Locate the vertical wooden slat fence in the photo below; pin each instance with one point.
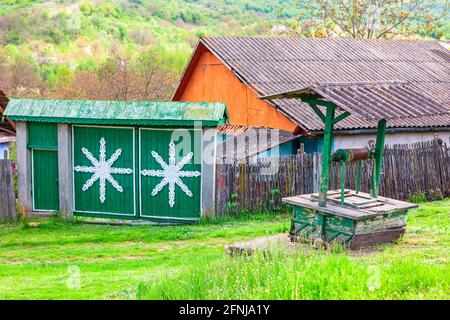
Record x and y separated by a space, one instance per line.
407 169
7 196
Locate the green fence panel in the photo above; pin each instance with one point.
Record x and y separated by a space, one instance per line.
45 180
104 171
170 175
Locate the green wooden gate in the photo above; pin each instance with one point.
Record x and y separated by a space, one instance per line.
43 143
45 180
104 171
150 176
170 175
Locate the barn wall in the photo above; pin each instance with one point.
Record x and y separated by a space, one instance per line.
359 140
211 81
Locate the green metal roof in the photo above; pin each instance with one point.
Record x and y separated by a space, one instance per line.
155 113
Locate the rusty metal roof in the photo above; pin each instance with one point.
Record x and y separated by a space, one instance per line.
270 65
7 127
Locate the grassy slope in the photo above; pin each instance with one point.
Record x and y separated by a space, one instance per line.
173 262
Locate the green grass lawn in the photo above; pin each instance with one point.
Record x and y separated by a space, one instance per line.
121 262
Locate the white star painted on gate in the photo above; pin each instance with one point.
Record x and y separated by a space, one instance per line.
102 170
171 173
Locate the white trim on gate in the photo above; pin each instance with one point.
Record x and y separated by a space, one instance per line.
140 176
134 172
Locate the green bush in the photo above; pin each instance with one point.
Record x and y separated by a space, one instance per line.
233 206
275 203
429 195
418 197
434 195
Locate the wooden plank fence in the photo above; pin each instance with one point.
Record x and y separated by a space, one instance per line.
407 169
7 196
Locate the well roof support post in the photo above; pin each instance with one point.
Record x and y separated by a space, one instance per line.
378 157
329 121
358 176
326 155
342 182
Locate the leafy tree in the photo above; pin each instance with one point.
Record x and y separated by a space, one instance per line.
87 8
56 36
374 18
19 75
122 32
64 77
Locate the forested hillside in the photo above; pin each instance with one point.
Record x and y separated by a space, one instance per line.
131 49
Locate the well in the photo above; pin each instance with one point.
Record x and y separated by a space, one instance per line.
350 217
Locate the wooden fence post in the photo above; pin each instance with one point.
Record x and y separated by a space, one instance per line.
247 150
317 168
7 196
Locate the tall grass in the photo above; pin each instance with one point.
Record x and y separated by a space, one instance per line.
303 275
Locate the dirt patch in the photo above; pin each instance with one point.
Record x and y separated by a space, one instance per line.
282 241
278 242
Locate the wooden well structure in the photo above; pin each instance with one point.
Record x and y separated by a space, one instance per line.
351 217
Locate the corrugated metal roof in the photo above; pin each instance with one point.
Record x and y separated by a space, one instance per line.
373 101
117 112
273 64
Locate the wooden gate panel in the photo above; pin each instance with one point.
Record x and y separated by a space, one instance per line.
45 180
157 147
104 171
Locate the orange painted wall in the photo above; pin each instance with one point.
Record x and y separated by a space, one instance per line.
211 81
